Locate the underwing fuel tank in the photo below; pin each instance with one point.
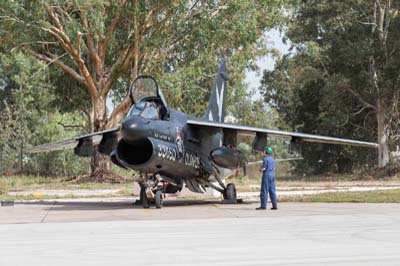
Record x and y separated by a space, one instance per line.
228 157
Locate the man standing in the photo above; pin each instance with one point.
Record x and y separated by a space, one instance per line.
268 180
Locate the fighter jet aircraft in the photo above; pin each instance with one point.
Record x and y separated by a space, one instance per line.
169 149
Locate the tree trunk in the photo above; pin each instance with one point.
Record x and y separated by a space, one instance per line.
383 135
99 163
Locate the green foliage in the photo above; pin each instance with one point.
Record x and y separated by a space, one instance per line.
24 78
229 29
338 77
2 188
254 112
309 102
178 42
27 118
182 47
55 127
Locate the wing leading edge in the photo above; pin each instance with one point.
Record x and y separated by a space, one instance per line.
78 142
298 137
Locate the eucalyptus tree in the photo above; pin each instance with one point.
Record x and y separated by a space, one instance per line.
20 105
355 49
103 44
308 101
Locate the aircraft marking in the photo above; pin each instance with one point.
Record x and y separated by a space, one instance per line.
220 102
210 116
220 95
192 160
167 152
162 136
171 154
179 143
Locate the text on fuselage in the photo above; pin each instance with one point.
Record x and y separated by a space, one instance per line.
171 154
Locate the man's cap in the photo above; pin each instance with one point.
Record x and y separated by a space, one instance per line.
268 149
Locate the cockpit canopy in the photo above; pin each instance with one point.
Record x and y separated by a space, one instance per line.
147 99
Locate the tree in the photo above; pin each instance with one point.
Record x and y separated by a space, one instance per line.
20 79
308 101
98 42
29 118
357 44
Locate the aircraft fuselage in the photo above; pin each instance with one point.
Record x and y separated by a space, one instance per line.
167 147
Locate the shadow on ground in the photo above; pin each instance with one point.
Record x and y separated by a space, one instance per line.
101 205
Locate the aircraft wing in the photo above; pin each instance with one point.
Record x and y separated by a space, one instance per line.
83 144
277 160
291 136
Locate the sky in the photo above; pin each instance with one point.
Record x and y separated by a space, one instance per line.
274 40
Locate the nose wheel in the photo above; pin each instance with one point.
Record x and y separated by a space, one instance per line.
146 201
158 199
143 198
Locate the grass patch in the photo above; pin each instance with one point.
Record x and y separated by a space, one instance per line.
248 184
55 197
24 182
319 178
376 196
2 188
245 184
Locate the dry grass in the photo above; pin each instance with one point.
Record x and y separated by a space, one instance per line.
376 196
2 188
246 184
23 182
243 184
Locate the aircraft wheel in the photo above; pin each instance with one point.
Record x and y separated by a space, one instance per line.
144 199
158 198
230 192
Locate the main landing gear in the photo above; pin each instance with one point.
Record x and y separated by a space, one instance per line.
230 193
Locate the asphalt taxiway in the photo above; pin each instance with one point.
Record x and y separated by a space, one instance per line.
115 232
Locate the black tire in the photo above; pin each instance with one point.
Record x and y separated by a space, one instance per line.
230 192
158 199
144 199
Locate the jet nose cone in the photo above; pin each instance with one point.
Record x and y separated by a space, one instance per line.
133 129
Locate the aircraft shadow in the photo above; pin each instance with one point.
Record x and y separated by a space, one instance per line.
82 205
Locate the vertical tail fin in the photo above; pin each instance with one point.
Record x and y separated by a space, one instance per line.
216 105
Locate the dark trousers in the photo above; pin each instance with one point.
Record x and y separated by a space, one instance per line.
268 186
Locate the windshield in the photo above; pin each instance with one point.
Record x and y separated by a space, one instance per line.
146 110
137 108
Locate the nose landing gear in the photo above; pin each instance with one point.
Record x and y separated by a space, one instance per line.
146 201
151 192
143 198
158 199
